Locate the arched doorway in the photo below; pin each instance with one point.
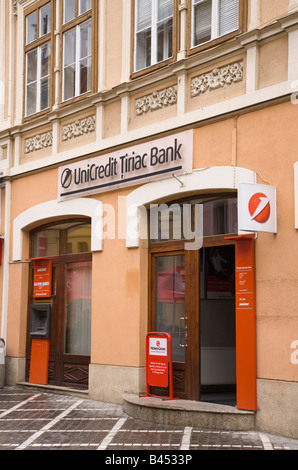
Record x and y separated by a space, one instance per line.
68 244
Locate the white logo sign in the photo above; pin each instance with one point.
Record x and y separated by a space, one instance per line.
158 347
135 165
257 208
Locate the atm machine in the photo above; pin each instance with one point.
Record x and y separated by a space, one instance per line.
40 330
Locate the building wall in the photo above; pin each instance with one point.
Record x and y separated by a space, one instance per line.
246 122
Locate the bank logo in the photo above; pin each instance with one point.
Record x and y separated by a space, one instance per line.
259 208
66 178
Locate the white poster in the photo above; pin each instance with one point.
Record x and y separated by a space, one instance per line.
257 208
158 347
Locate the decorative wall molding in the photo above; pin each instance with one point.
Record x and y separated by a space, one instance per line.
78 128
15 7
39 142
156 100
217 78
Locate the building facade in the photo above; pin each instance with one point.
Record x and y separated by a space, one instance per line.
128 130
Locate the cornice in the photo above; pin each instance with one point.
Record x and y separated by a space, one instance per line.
280 26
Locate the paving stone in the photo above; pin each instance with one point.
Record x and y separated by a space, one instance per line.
34 420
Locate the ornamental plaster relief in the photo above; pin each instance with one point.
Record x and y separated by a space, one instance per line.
78 128
39 142
217 78
156 100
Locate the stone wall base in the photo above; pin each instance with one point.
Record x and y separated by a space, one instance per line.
277 407
108 383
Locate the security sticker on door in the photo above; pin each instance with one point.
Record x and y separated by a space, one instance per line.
158 347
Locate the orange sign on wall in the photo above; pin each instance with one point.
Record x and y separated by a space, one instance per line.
42 279
246 369
246 324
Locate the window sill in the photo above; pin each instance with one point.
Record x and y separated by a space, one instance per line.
152 68
215 42
36 115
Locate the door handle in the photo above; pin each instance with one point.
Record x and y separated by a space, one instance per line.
185 332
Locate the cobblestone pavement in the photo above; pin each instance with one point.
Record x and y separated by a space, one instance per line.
33 420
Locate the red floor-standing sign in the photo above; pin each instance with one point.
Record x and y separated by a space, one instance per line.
159 368
245 322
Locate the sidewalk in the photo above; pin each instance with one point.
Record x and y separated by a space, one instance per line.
33 420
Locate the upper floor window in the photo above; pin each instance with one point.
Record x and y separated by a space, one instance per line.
76 52
212 19
38 59
153 32
77 48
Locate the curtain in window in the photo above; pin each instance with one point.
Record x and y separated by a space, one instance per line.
203 21
165 9
38 72
77 73
154 32
143 33
144 11
164 30
228 16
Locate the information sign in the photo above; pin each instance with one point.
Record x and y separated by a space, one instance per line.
159 365
42 279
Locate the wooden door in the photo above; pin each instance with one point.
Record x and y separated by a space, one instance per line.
175 310
71 310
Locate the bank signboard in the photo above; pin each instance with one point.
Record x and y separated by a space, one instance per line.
257 208
135 165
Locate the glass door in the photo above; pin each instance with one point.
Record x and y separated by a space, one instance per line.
170 316
175 311
78 308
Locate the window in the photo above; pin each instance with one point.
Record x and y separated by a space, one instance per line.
38 59
153 32
180 220
77 48
212 19
78 308
65 238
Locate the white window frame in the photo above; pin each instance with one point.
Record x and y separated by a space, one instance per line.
154 28
214 21
38 81
77 61
42 40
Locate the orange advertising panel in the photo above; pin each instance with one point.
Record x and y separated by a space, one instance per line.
40 351
245 324
42 282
